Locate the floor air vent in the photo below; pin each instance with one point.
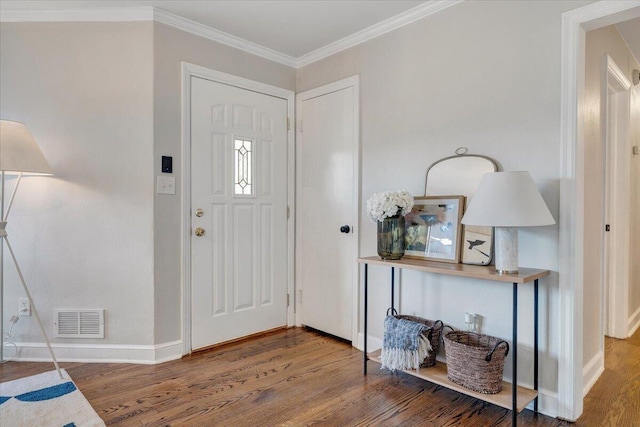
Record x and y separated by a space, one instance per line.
79 323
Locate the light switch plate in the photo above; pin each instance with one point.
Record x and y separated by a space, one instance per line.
166 185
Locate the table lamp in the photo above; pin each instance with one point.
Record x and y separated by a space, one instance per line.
19 154
506 201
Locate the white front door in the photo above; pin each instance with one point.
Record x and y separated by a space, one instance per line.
327 199
238 212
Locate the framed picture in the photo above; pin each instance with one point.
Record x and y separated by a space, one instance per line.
433 229
477 245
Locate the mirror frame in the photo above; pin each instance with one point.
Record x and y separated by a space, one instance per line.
457 156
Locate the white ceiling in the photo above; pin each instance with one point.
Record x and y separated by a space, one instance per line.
296 31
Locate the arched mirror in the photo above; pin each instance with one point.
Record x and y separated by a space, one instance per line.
461 175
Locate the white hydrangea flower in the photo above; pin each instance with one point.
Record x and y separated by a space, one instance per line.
388 204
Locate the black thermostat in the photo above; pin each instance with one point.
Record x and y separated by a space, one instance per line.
167 164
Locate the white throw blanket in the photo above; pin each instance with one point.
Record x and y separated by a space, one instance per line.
405 345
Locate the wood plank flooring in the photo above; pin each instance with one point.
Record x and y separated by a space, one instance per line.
615 398
297 377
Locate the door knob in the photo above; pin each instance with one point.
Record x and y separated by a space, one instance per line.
345 229
199 231
199 212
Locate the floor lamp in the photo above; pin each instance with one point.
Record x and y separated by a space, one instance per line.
19 154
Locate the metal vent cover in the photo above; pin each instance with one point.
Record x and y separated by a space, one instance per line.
79 323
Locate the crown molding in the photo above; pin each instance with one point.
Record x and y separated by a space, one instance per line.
393 23
148 13
119 14
201 30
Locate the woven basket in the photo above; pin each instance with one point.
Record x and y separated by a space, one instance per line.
434 334
475 361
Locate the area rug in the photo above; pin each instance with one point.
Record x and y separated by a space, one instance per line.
45 400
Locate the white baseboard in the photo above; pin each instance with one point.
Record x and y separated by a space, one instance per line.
373 343
592 371
547 400
168 351
547 403
634 322
100 353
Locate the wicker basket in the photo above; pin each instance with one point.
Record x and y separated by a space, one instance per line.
435 332
475 361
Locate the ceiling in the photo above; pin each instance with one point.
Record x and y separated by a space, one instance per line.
630 31
295 31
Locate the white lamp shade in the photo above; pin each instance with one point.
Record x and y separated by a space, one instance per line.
507 199
19 152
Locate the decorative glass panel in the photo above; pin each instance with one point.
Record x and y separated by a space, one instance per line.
243 158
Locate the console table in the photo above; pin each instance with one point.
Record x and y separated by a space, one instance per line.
519 397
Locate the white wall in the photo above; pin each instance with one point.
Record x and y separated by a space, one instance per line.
84 237
484 75
599 42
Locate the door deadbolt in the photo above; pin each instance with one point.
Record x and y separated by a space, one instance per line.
199 212
199 232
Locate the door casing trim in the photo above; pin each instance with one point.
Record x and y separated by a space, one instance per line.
575 23
191 70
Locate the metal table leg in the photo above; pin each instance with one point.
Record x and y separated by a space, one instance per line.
366 310
535 342
514 355
392 287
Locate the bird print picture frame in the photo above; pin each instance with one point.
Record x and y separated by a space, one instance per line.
477 245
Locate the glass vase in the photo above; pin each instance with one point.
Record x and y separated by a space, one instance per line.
391 237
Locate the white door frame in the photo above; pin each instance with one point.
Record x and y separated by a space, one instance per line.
350 82
615 104
191 70
571 251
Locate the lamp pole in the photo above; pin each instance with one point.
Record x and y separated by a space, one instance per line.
2 235
19 153
4 238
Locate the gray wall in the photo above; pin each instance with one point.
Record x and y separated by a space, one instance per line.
104 103
84 237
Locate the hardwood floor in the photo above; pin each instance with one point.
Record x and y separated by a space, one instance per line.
615 398
296 377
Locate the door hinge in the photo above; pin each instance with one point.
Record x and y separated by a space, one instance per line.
300 126
288 212
288 301
607 227
288 123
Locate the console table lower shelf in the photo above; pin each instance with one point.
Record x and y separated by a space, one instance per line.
438 375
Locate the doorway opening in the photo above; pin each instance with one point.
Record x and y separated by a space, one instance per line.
615 130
